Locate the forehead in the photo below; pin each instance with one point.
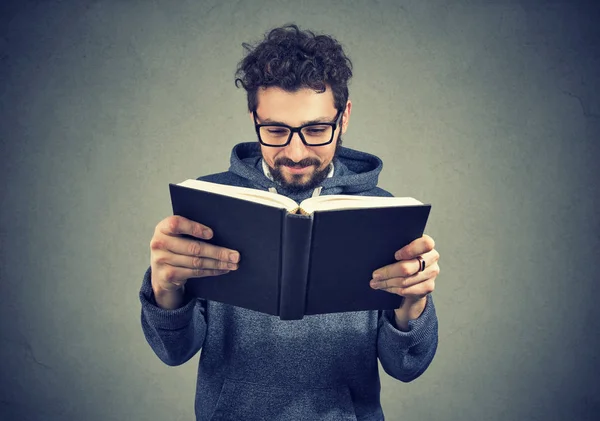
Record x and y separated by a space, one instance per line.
293 107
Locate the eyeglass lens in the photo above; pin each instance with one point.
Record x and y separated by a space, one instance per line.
313 135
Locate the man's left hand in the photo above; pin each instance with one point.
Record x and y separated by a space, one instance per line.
412 277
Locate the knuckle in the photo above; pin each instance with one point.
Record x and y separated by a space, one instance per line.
201 273
406 270
195 249
169 275
156 244
223 255
197 230
173 222
197 262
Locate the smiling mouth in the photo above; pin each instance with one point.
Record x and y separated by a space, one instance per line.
298 169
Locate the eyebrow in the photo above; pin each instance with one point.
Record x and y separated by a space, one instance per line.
325 119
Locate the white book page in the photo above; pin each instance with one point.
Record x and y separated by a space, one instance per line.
340 201
252 195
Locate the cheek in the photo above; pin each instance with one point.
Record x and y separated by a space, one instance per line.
326 158
269 158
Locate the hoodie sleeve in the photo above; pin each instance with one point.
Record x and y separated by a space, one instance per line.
406 355
177 335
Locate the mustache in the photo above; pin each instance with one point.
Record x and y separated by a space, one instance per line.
303 163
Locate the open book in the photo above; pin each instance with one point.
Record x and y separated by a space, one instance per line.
313 258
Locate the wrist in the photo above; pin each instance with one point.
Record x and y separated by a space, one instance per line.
168 299
411 309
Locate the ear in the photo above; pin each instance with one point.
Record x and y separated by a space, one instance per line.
346 116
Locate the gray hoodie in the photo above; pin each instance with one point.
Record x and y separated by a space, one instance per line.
254 366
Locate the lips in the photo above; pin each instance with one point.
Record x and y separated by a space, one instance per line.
296 168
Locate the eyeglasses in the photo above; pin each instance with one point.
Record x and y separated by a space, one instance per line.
313 134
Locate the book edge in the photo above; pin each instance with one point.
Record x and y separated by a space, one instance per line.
243 193
347 202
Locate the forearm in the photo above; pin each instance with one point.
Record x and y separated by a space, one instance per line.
175 334
405 354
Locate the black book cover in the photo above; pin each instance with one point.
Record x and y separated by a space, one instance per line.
348 246
295 265
254 230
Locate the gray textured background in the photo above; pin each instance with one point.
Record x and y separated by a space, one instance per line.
490 111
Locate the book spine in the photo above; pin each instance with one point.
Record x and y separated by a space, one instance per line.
295 257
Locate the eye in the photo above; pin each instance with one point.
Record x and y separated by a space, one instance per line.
316 130
277 131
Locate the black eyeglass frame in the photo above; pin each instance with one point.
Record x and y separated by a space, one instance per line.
334 126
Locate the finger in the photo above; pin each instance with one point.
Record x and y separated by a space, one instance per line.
406 282
406 268
416 248
193 262
395 286
386 284
415 266
179 276
418 290
178 225
187 247
428 274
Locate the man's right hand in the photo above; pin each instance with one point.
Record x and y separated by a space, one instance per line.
174 258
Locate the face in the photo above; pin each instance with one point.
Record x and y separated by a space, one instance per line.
298 167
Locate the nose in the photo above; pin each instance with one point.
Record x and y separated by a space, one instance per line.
296 150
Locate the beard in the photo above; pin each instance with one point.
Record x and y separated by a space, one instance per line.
296 185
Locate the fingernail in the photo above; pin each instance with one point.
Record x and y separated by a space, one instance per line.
207 233
377 276
231 266
234 257
373 285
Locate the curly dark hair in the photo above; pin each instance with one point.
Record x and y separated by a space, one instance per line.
291 59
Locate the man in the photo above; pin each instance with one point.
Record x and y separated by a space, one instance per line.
255 366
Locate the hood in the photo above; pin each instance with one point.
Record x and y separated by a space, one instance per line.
355 172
